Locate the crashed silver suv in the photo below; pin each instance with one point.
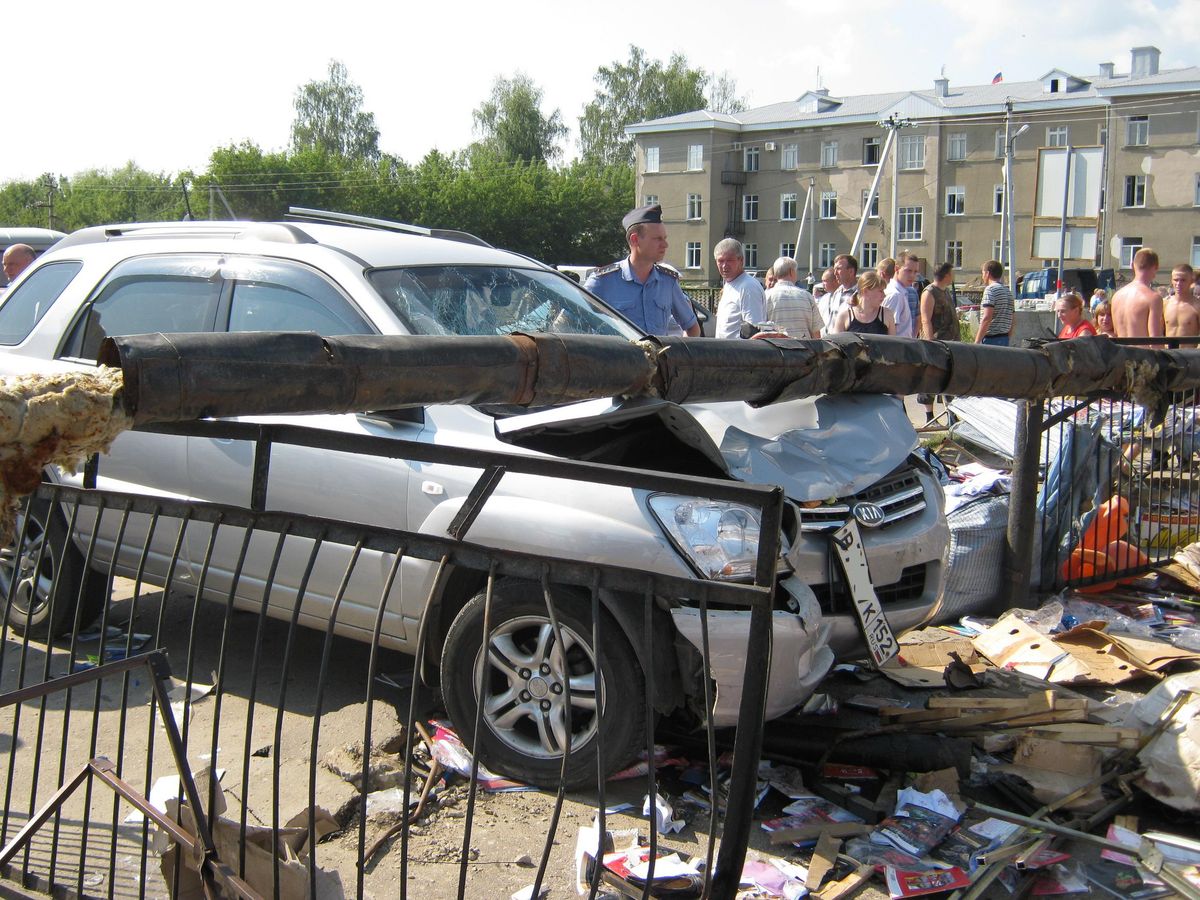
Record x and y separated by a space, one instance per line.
830 454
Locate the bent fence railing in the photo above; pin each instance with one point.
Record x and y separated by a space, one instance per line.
180 739
1104 484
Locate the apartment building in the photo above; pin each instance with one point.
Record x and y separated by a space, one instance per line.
792 178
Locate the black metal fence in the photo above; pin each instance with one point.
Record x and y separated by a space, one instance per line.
1116 492
165 739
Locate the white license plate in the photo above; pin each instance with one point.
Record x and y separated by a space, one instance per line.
847 542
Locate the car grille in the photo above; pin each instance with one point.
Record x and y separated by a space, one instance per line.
900 495
834 596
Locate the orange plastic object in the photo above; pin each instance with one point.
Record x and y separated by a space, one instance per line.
1111 523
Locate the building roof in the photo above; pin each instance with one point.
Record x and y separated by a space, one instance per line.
815 108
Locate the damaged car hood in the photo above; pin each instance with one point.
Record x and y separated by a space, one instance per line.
817 448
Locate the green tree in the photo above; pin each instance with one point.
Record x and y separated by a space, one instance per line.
634 91
512 125
330 118
128 194
723 96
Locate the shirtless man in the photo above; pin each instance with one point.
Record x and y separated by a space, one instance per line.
1179 312
1137 308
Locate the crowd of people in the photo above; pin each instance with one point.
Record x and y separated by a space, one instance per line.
883 301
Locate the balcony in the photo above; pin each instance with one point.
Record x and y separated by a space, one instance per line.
735 228
733 176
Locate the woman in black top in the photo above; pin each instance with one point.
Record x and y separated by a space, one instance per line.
866 313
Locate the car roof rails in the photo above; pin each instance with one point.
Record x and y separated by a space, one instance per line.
281 232
338 218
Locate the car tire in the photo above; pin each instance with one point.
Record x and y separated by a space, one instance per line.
524 715
32 610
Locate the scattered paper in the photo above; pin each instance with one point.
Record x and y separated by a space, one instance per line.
664 816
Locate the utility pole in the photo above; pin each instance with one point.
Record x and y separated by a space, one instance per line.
48 203
812 226
893 123
873 193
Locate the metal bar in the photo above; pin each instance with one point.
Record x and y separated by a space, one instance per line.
51 807
472 506
318 706
747 748
1018 554
262 469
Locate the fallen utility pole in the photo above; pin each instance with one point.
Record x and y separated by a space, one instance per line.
190 376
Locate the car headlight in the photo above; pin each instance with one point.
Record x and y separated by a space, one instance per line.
720 538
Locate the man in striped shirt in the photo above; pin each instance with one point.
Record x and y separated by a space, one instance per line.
996 310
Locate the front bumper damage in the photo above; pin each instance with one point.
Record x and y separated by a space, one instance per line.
800 652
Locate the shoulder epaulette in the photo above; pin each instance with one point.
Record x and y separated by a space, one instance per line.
667 270
607 270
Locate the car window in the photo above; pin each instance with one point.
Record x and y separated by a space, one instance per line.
493 300
147 295
270 295
25 304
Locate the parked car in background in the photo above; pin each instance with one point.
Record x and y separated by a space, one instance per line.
343 275
40 239
1039 283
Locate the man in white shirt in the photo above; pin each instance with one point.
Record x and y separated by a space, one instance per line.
790 307
742 297
895 297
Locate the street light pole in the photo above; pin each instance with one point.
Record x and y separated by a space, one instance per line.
1006 226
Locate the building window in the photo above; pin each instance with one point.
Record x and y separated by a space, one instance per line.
651 199
787 207
751 159
1135 190
956 200
869 257
828 204
996 251
651 159
1129 246
999 143
912 151
695 206
791 156
750 208
1195 263
1057 136
750 252
695 157
826 254
998 200
910 223
871 151
1196 199
691 258
956 146
1102 136
787 249
1137 131
874 214
829 153
954 253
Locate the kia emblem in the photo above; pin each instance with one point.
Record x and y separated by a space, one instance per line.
868 515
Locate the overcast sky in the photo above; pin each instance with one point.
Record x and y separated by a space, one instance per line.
95 85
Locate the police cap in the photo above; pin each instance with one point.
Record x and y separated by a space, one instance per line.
643 215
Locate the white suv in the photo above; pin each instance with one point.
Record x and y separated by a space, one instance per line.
333 278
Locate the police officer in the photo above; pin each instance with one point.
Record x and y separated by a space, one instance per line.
639 287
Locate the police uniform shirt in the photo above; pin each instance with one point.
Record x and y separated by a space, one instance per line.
649 306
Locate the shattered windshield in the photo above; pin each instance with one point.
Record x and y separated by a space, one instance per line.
494 300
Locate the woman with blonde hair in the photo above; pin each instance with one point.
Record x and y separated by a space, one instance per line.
1069 309
1104 320
866 313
